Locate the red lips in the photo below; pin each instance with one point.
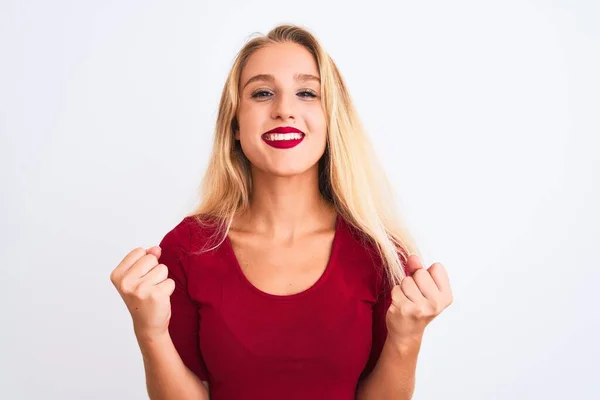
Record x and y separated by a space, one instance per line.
283 144
284 129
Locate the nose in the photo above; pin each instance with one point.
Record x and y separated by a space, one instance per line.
283 107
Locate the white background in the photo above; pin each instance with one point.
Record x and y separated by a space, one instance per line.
485 114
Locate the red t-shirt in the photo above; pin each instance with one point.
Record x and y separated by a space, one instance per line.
248 344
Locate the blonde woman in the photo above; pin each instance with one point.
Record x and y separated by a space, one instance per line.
294 279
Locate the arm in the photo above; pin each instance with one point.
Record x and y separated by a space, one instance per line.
173 361
420 297
167 377
394 374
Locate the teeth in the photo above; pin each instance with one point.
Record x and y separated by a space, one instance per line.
283 136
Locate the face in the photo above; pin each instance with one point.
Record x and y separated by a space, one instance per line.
280 91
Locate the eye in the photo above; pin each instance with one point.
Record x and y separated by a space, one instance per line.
263 94
260 94
308 93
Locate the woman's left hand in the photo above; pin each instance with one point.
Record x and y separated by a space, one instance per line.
421 296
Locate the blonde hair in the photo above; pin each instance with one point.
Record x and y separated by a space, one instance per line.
350 174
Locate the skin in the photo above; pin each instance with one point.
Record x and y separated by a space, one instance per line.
144 287
284 101
287 220
419 298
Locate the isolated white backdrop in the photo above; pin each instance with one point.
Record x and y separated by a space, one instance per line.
484 113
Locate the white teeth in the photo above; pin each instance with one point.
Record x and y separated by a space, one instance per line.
283 136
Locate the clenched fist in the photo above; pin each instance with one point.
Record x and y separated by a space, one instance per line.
143 284
417 300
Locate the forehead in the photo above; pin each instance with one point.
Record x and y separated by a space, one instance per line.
283 60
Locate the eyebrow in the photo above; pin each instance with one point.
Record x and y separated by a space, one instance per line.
270 78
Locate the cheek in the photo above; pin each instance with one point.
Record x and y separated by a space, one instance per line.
251 143
251 119
246 124
319 128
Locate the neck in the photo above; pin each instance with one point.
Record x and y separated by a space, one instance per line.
287 206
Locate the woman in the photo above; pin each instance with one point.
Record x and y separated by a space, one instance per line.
293 279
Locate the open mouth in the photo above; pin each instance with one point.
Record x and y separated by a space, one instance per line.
283 140
283 136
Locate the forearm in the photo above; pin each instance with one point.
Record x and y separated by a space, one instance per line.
393 377
167 377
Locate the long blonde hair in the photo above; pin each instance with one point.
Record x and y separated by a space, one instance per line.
350 174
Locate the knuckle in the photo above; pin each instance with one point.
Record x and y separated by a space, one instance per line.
155 295
420 272
126 287
170 283
408 310
162 268
140 293
137 253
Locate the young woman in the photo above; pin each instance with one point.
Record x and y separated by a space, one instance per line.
294 278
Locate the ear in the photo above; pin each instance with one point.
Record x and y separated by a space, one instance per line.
237 135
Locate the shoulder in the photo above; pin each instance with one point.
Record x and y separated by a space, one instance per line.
359 254
364 250
357 242
193 233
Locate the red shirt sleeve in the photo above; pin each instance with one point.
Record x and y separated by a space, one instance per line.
184 322
379 329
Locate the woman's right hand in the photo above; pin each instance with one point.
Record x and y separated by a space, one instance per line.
143 284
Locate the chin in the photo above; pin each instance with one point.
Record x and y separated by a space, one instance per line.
284 165
287 172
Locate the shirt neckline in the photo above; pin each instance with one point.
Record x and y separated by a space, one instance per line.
333 254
